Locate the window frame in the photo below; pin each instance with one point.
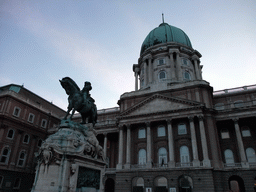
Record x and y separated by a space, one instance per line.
14 111
245 131
23 160
7 136
161 61
33 118
140 132
44 123
19 182
185 61
223 132
252 155
229 160
7 156
142 157
1 180
162 72
189 75
179 129
164 131
184 152
28 139
162 156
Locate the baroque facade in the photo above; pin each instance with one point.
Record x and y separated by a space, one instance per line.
173 133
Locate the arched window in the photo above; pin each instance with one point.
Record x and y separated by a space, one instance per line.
142 157
251 157
26 139
229 157
162 75
187 76
182 129
219 106
161 131
142 133
162 157
22 158
184 156
10 134
5 155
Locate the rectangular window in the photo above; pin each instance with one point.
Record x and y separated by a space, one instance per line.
225 134
161 61
246 133
44 123
142 133
161 131
16 111
182 130
17 183
31 117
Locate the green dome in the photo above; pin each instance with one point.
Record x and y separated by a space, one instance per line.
163 34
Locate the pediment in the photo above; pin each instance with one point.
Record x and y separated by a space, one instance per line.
159 103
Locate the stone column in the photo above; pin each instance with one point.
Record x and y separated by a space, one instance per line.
206 160
136 78
196 162
105 144
128 148
172 69
120 152
150 70
145 74
196 69
178 67
149 146
240 144
171 162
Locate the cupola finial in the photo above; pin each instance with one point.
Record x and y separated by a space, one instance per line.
163 17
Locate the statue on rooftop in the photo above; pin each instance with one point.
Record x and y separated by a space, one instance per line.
80 100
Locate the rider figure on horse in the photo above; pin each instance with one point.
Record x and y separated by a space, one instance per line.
86 94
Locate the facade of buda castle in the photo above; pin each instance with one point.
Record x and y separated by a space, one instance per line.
173 133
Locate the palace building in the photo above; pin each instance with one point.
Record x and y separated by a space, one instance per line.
173 133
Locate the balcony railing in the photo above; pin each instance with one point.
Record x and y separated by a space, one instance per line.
230 165
189 164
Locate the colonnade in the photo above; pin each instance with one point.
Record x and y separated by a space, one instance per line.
171 155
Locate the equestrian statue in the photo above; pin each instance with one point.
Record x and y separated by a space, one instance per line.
79 100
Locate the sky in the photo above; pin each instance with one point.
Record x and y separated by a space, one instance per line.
100 40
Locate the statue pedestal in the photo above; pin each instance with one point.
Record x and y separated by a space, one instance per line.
70 160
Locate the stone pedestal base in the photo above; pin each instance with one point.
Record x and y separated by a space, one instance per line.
70 176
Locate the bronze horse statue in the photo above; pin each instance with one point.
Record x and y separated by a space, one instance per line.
79 101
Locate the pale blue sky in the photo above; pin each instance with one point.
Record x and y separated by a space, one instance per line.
99 41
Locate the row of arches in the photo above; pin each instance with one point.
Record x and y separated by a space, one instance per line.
185 184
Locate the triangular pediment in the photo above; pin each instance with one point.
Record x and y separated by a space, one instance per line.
159 103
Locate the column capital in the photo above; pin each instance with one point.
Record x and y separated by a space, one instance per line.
191 118
147 123
235 120
121 127
128 126
105 134
169 121
200 117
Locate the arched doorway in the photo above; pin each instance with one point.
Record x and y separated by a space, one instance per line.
236 184
161 184
138 184
185 184
110 185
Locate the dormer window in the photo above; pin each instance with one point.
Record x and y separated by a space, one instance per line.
161 61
